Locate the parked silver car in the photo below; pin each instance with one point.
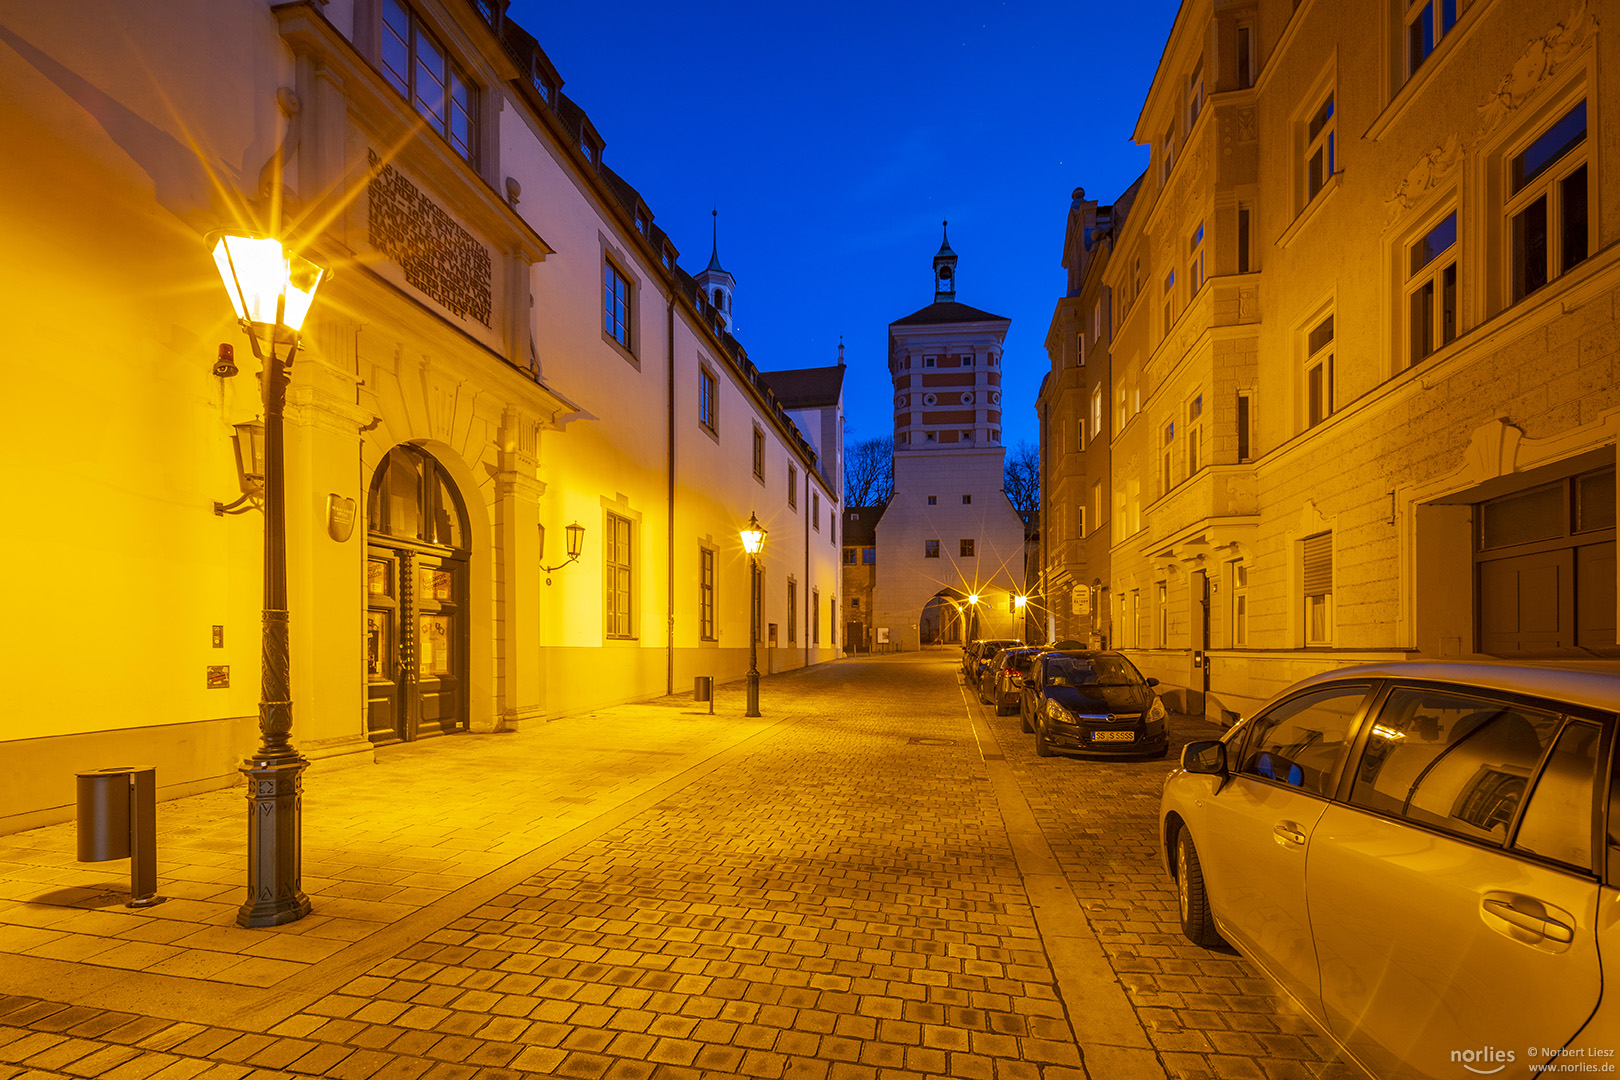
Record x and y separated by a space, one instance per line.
1425 855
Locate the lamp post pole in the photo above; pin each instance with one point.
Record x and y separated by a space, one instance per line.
259 273
275 771
753 635
753 541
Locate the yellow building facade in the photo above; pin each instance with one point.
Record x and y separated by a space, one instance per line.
1361 395
506 347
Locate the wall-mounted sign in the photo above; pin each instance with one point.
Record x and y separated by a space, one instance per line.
1080 600
219 676
339 517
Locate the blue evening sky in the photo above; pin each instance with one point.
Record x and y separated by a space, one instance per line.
834 138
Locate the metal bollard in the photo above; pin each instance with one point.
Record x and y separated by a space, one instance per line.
703 690
118 820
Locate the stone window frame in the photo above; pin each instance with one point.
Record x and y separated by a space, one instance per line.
618 262
708 400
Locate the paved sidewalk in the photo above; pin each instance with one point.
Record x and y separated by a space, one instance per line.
863 885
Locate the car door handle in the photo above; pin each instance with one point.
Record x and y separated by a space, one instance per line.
1290 832
1535 922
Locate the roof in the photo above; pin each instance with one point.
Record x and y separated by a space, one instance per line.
860 524
947 311
806 388
1594 684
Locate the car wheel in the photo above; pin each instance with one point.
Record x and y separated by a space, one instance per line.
1193 902
1043 748
982 699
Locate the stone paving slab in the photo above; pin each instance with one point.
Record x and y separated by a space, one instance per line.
856 889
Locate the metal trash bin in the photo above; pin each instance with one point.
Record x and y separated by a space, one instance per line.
703 690
118 820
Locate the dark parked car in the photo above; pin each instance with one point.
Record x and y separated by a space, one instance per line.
1002 683
977 654
1092 703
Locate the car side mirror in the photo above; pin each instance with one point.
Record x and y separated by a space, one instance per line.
1208 758
1153 682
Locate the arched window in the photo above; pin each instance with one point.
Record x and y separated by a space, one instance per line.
719 298
412 498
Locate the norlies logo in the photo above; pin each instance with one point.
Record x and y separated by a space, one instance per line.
1497 1060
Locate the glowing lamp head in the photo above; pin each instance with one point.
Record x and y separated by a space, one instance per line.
1020 601
974 599
269 285
753 537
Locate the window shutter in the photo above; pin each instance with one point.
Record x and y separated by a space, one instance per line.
1318 559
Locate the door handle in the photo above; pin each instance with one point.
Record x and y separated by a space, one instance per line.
1536 922
1289 832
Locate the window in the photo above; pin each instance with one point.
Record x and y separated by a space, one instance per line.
1302 741
966 499
1319 373
616 303
930 549
618 572
1195 427
869 556
418 67
759 454
1316 557
793 611
1426 23
1458 763
1161 615
706 594
815 616
933 500
1547 204
1080 433
1244 449
1168 477
1169 301
793 487
966 548
1431 289
1096 410
967 359
1169 152
1319 148
1240 605
706 402
850 556
1195 95
1243 260
815 510
1096 503
1245 57
1195 261
928 361
1080 349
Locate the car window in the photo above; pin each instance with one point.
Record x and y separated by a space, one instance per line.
1090 671
1557 820
1301 741
1453 761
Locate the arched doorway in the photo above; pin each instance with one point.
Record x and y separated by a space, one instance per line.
416 600
942 621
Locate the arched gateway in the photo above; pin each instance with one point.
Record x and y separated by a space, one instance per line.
416 600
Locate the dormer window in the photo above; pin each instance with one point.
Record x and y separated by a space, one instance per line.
586 149
420 68
641 220
541 84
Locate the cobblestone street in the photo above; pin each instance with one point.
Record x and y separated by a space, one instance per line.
878 880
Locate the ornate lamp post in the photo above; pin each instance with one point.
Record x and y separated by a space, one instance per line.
753 542
272 289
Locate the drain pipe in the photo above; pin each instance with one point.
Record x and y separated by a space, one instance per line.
809 593
669 469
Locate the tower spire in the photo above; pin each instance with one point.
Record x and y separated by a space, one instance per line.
945 268
714 252
715 284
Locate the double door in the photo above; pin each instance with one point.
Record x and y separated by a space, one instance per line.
416 642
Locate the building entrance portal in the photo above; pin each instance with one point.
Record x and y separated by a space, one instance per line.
943 621
416 600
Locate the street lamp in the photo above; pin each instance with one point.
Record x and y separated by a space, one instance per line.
272 289
973 616
576 543
753 542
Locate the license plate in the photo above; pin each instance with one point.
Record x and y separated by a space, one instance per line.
1113 736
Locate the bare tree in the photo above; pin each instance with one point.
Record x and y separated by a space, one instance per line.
869 472
1022 479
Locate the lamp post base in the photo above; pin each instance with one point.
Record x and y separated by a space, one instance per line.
753 694
275 842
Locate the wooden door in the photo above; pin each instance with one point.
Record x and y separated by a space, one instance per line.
385 716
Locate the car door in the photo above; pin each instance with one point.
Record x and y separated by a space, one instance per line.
1256 828
1452 897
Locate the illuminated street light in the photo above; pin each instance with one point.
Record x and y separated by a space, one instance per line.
753 542
1020 601
272 289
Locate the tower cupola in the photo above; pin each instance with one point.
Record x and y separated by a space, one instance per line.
716 284
945 268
